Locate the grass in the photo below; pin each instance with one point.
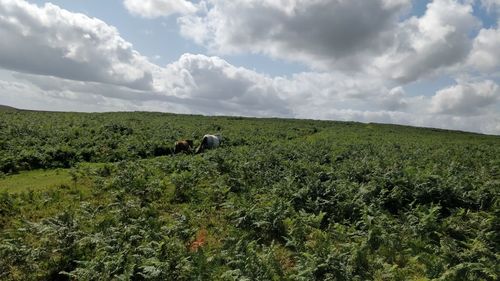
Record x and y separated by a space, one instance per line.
49 192
280 200
7 108
38 180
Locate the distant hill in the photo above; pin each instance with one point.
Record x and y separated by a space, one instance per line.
7 108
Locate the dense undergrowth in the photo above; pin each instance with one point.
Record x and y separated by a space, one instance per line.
280 200
34 140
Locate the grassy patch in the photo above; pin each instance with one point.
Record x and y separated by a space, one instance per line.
38 180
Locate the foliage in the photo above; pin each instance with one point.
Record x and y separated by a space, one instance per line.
280 200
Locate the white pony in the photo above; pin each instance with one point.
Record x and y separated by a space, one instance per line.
209 142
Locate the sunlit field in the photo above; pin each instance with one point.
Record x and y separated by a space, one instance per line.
103 197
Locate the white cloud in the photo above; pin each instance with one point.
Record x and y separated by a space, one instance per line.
316 93
27 96
319 33
466 98
69 55
340 35
485 54
60 60
209 85
213 86
431 43
50 84
395 99
159 8
51 41
30 91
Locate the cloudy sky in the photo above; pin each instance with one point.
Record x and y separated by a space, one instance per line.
423 63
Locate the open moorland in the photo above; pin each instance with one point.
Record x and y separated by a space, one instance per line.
101 196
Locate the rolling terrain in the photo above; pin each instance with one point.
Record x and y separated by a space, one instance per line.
100 196
7 108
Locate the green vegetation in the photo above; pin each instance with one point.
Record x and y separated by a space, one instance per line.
280 200
7 108
35 180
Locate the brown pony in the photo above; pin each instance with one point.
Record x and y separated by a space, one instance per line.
183 146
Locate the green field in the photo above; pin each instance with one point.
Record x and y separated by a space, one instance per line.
37 180
101 197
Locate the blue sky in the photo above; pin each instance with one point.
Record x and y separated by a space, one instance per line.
159 38
424 63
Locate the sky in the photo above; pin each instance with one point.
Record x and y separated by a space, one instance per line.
422 63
